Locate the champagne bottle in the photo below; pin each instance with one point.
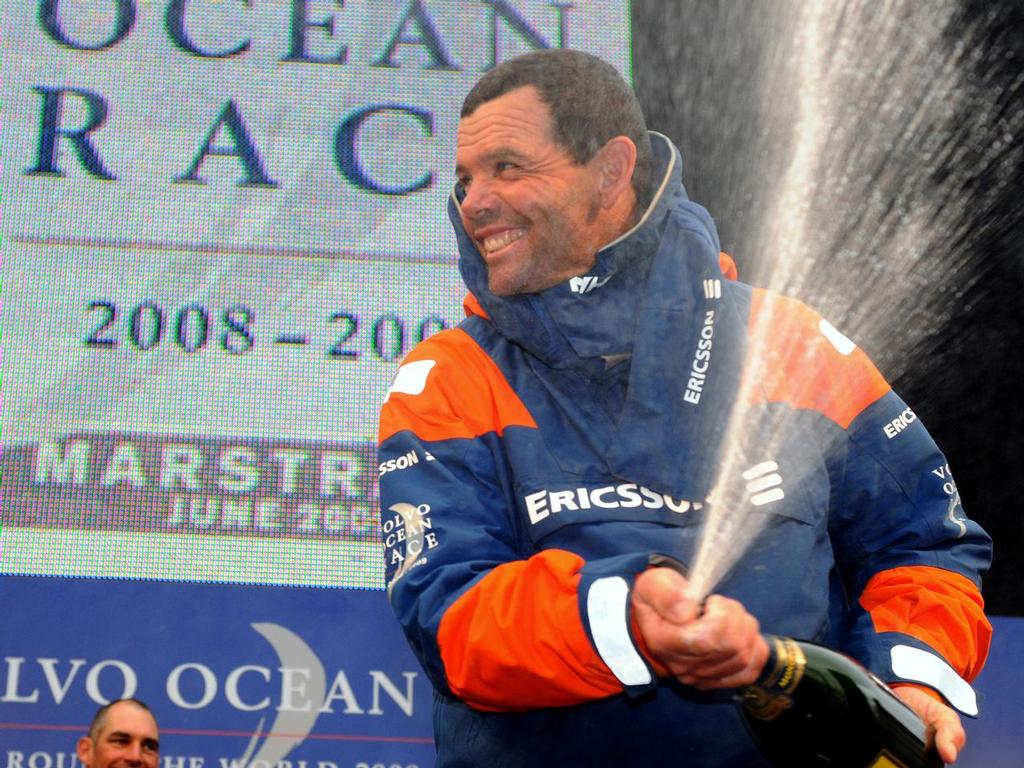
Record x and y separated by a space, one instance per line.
815 706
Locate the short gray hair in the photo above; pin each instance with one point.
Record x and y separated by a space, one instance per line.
100 718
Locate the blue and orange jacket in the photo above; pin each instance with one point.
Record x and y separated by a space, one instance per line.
534 460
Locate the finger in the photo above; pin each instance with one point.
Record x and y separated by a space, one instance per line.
741 669
949 739
740 679
944 730
663 591
724 629
737 666
946 750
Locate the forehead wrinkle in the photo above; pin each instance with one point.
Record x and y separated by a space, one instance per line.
505 136
505 121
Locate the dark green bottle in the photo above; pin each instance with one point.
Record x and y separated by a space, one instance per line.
814 706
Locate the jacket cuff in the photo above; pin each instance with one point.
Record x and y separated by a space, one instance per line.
605 606
914 665
900 658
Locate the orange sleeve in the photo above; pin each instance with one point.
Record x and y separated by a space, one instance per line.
501 646
939 607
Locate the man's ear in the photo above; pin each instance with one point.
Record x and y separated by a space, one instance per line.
617 160
84 751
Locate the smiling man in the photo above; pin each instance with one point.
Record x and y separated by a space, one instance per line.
123 734
568 435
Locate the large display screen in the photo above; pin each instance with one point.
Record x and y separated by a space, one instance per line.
223 226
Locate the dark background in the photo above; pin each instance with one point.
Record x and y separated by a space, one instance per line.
929 126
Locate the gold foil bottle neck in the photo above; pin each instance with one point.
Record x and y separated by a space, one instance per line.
772 694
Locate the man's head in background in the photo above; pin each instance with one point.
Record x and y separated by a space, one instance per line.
123 734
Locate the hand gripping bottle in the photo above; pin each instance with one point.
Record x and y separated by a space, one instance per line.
814 706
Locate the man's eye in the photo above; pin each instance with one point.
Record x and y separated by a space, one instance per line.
505 165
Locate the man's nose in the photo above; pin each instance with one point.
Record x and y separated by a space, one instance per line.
133 753
478 201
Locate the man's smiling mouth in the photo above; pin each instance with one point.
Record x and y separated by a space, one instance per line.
500 240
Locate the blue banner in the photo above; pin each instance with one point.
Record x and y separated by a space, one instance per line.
235 675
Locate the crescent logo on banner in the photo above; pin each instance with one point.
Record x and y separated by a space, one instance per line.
292 727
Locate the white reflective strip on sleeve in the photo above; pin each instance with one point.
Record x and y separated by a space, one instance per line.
607 612
922 667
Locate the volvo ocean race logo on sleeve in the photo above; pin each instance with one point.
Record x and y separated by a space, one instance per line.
407 536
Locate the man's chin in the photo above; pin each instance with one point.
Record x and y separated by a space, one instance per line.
503 285
501 290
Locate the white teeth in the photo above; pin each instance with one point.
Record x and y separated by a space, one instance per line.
500 240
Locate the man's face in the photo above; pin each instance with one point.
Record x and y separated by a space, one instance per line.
534 214
127 738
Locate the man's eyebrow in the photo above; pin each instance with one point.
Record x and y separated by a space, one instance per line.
499 153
